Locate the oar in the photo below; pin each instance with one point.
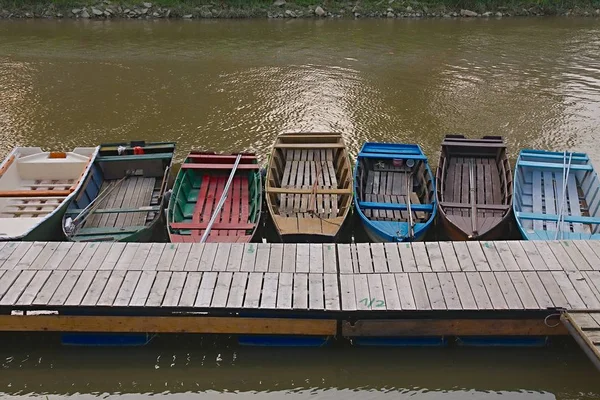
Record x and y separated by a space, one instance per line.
213 217
89 209
408 192
472 198
563 200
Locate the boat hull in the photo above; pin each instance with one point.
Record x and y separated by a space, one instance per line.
376 237
498 232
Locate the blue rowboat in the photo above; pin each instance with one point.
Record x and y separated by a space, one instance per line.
556 196
394 192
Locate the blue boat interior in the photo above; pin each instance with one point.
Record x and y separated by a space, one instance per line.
557 196
122 194
394 191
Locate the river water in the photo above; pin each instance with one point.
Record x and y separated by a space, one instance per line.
234 85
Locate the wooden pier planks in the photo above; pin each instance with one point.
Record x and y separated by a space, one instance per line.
433 276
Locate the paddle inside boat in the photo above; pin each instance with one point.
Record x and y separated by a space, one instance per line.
474 187
122 198
394 192
35 188
216 198
309 186
557 196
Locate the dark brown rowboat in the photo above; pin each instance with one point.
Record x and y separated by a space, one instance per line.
474 187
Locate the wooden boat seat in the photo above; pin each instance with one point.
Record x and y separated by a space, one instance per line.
136 157
216 225
501 207
554 218
557 165
227 167
35 193
395 206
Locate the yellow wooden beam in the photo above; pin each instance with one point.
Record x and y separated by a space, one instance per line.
170 324
453 327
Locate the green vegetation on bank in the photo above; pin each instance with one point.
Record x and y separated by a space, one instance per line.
293 8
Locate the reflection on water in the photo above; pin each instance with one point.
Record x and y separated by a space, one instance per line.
231 85
185 366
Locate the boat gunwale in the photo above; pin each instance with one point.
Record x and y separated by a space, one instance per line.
256 173
64 204
455 141
371 224
338 144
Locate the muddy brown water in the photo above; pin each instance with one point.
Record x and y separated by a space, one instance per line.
234 85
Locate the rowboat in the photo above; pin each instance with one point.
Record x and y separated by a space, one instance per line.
474 187
309 186
557 196
35 188
122 199
394 192
216 198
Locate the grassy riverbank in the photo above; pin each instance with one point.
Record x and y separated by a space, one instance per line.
189 9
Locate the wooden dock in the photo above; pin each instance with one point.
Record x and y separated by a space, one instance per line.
419 289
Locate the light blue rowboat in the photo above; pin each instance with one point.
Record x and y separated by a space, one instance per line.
394 192
556 196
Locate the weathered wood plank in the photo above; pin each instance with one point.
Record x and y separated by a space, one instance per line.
276 258
376 295
16 255
464 256
348 293
207 289
345 259
538 290
289 258
17 287
142 289
329 259
222 290
465 293
508 290
221 257
434 291
316 258
249 257
506 256
479 292
63 291
570 293
449 255
190 289
525 294
34 286
553 290
261 263
175 288
127 288
95 289
421 257
181 256
435 257
494 260
405 292
140 257
253 291
407 257
393 257
107 298
113 256
159 289
493 290
419 291
315 292
451 298
300 301
478 256
193 261
284 289
331 291
361 288
80 289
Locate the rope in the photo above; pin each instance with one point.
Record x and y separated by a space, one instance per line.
548 317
